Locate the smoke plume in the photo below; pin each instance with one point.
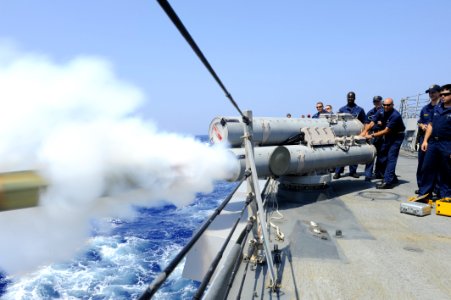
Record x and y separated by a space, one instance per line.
76 124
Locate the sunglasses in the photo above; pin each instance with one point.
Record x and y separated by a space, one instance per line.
319 107
386 104
445 94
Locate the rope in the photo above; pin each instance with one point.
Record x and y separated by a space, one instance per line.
280 236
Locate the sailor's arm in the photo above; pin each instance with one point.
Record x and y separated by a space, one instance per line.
423 126
366 128
424 146
422 123
384 131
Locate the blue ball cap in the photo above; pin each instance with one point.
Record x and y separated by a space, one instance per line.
433 88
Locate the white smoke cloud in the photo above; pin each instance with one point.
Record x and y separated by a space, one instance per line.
75 124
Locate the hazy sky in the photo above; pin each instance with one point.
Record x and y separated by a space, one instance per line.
274 57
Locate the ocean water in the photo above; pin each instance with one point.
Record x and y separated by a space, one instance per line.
119 262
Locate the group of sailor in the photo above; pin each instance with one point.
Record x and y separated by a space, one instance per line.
321 109
385 128
434 155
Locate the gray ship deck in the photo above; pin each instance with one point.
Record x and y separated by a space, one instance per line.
382 253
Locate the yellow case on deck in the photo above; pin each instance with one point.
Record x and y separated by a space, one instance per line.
443 207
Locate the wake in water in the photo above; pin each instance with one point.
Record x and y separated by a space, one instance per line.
76 124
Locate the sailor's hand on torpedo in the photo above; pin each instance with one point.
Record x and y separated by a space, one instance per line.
365 134
424 146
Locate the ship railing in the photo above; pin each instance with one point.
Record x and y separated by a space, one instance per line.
410 108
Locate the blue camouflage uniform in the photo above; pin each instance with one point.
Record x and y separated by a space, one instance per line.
358 113
425 118
437 159
391 143
377 143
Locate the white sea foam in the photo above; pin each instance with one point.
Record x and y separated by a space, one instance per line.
77 124
115 274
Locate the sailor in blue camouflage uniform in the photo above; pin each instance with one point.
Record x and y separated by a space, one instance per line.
425 118
437 145
377 142
393 134
359 113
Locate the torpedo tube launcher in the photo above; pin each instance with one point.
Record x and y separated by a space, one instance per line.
300 147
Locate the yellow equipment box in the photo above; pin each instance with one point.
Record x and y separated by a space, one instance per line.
20 189
443 207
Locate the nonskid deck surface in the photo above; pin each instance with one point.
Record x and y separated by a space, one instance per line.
380 254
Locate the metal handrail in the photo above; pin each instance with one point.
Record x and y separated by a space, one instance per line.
410 107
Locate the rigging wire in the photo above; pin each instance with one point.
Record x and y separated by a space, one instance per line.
184 32
243 237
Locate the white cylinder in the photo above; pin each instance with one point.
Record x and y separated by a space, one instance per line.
299 159
261 157
275 131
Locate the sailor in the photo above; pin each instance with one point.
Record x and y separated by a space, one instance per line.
377 141
437 145
320 110
423 121
328 108
359 113
393 134
288 115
